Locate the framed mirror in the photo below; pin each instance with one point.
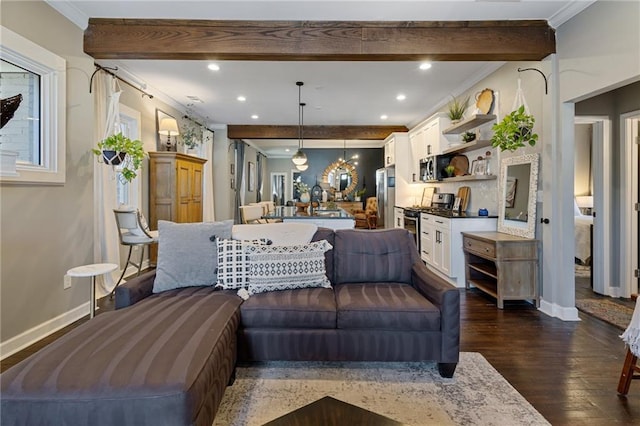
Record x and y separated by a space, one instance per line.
517 193
340 177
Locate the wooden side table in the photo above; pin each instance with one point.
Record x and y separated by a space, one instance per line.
92 271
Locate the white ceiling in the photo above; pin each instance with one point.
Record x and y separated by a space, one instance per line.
336 93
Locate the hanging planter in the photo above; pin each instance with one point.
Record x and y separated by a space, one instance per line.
514 131
123 151
113 158
516 128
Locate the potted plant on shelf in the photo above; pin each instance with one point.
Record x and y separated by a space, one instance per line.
457 108
514 131
118 149
450 170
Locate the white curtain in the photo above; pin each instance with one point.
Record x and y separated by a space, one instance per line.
208 211
106 247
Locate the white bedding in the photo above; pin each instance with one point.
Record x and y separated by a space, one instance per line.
583 237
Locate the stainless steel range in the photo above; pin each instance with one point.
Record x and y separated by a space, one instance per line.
440 204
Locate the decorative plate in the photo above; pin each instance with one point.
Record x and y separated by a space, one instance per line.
460 164
484 101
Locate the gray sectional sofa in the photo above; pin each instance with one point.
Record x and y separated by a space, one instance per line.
166 358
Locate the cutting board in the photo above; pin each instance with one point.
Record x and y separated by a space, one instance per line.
464 192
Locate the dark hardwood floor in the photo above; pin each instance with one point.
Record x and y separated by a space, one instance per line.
568 371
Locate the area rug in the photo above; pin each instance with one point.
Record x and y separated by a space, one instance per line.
606 310
408 392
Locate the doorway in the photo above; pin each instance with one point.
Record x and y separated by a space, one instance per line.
630 217
592 228
278 188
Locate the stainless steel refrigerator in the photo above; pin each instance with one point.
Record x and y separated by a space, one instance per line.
386 193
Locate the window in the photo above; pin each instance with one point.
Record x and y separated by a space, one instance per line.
35 81
129 193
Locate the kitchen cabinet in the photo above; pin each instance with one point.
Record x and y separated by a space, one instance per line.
502 265
418 145
398 217
390 151
435 242
441 242
175 189
435 141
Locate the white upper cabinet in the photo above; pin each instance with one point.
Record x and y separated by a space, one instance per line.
434 139
390 151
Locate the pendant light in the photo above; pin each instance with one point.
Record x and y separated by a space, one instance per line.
300 158
343 160
304 166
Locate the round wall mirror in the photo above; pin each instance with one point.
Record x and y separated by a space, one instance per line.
340 177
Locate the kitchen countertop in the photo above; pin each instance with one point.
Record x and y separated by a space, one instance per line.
449 214
286 212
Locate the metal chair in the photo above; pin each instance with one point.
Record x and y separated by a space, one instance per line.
133 231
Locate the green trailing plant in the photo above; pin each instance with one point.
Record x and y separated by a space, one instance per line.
457 108
514 131
361 192
132 149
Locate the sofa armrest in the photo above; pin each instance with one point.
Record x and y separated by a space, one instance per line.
446 297
135 290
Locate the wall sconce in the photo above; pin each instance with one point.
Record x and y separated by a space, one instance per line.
169 127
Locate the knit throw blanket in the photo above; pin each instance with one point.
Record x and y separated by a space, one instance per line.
631 336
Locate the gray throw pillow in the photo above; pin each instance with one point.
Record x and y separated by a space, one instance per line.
187 253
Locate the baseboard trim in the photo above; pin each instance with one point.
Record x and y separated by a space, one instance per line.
557 311
39 332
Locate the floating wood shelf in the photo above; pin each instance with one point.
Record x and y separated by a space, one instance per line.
469 177
469 146
468 124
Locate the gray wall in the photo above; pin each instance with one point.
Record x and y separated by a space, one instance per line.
612 104
582 181
46 230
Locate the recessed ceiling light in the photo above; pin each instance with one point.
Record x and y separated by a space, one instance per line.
401 97
241 98
255 116
384 117
287 150
214 67
425 65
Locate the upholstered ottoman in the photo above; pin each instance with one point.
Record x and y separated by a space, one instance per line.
164 361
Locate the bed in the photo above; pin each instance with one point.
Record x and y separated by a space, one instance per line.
582 226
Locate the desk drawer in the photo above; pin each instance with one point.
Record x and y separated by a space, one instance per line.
480 247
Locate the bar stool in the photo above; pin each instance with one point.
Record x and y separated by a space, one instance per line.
631 337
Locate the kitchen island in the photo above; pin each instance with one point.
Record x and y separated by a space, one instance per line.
333 219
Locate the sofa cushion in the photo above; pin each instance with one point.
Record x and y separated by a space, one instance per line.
300 308
366 256
233 262
187 253
164 361
329 235
287 267
385 306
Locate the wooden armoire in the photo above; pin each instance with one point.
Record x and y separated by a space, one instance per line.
175 189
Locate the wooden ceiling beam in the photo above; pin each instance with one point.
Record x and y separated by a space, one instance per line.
312 132
319 40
